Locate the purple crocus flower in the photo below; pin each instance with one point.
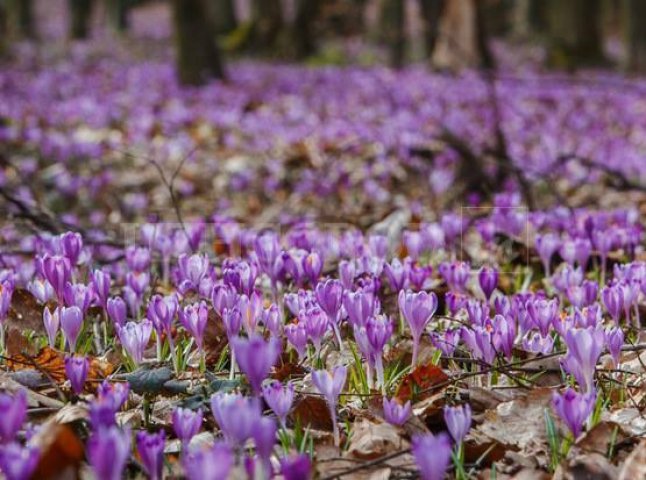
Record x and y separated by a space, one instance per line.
134 338
329 296
614 341
41 290
250 308
296 467
138 258
534 342
256 357
108 450
584 348
76 369
504 334
51 322
236 416
186 423
613 299
57 270
267 249
296 334
78 294
264 437
418 274
397 274
116 309
395 413
150 447
488 279
456 275
223 297
212 463
6 292
194 318
574 408
455 302
312 266
432 455
479 340
192 269
347 273
240 275
101 282
316 324
279 398
477 311
71 325
161 312
72 246
542 313
360 305
458 421
13 411
18 462
379 329
273 320
417 309
546 246
446 341
330 386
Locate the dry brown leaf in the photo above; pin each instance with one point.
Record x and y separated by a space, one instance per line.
52 363
371 440
419 384
635 465
520 424
312 410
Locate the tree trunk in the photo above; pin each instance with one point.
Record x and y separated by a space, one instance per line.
224 15
80 13
431 13
267 24
198 58
575 31
393 19
118 13
636 35
302 37
459 43
26 18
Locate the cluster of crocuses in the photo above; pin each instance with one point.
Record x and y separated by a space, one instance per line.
276 298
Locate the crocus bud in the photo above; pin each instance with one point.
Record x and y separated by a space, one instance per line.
108 450
417 309
211 463
18 462
236 416
76 369
256 357
458 421
134 338
51 322
488 279
194 318
116 308
432 455
330 386
395 413
186 423
150 447
574 408
14 412
71 323
279 398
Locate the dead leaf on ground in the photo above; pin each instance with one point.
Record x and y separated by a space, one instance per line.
520 424
590 465
312 410
52 363
635 465
419 384
371 440
597 440
62 451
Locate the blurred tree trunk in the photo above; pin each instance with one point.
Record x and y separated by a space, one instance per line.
636 34
302 34
80 13
26 18
393 33
460 41
118 13
266 25
198 58
575 33
224 15
431 13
